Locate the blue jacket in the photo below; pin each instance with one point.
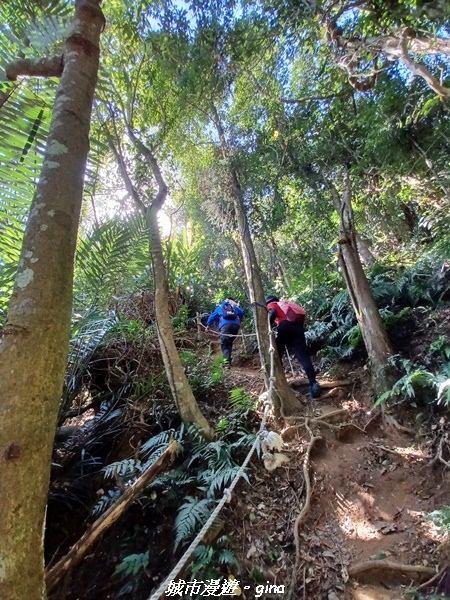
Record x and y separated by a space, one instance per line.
217 314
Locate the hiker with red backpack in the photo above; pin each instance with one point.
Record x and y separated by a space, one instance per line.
229 314
289 318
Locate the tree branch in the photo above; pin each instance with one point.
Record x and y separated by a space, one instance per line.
145 151
421 71
38 67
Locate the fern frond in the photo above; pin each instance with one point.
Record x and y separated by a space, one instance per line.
192 515
106 501
124 468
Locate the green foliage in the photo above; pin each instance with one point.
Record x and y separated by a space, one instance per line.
416 381
132 564
209 558
240 399
191 516
202 376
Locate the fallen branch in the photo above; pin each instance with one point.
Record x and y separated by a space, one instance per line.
78 550
370 565
306 505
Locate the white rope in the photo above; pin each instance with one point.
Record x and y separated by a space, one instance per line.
228 334
227 491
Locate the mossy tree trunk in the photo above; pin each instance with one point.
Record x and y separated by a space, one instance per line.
34 344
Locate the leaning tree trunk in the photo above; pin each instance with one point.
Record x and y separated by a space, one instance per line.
34 345
284 399
181 390
375 338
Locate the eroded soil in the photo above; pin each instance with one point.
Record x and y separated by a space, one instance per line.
372 489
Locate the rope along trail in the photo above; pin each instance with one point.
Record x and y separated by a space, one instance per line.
227 492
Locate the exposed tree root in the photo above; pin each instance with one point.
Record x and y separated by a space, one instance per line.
371 565
439 455
390 421
434 580
323 384
306 505
334 413
78 550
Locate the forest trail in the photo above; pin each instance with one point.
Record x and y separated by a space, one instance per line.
371 493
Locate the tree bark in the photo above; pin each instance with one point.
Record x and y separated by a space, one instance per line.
35 340
375 338
179 385
284 399
39 67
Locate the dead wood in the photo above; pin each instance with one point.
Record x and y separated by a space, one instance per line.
78 550
370 565
306 505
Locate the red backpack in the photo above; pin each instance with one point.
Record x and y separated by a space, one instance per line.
294 313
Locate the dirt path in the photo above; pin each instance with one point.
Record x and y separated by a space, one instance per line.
371 493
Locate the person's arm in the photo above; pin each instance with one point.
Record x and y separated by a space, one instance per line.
239 312
273 315
213 317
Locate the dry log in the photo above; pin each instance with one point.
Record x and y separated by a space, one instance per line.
78 550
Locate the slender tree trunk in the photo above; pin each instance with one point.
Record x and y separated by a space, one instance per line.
181 390
284 398
33 348
375 338
279 262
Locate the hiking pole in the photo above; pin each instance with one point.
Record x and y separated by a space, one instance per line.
290 362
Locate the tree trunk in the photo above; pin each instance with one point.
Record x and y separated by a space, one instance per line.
33 348
179 385
375 338
284 399
181 390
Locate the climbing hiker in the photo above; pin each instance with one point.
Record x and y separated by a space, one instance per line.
229 314
289 318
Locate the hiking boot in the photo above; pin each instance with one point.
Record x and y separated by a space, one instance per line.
315 390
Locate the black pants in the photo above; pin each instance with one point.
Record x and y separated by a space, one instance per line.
227 335
292 336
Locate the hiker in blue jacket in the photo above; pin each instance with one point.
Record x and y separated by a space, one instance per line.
229 314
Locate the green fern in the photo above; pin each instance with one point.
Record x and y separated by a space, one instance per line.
125 468
190 518
106 501
132 564
241 399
